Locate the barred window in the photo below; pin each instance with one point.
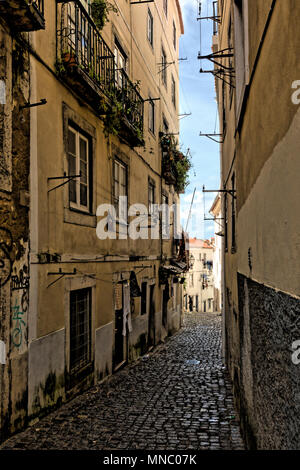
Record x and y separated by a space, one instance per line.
80 328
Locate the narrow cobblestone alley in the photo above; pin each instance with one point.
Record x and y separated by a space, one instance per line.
178 397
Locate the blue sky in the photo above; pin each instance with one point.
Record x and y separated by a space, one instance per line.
197 96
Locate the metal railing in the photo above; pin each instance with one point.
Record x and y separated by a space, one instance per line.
39 5
81 44
129 96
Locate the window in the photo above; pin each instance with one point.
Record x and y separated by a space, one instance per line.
165 217
151 117
120 64
119 186
150 27
233 238
80 328
174 296
165 126
144 298
191 280
174 35
241 52
165 7
164 66
78 162
173 91
151 196
199 256
230 61
226 222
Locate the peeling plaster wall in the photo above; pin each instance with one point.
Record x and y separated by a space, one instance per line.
14 243
46 373
103 351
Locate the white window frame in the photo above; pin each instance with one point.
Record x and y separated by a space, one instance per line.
124 168
78 181
151 203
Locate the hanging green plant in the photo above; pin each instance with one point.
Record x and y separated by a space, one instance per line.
182 168
100 10
113 117
122 106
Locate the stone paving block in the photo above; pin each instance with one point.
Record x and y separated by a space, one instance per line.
177 397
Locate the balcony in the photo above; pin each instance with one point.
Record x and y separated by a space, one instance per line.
84 60
23 15
132 115
87 64
175 165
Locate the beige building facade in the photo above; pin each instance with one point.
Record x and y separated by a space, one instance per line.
257 92
91 297
199 293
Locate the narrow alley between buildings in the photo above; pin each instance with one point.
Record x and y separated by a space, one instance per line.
177 397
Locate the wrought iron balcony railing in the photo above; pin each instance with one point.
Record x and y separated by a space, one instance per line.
39 5
89 64
132 102
81 45
23 15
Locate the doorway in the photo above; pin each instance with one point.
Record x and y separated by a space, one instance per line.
151 320
165 307
121 341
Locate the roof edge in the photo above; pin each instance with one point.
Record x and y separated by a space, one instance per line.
180 16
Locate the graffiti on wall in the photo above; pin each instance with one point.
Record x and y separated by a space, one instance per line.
18 324
19 318
6 244
20 281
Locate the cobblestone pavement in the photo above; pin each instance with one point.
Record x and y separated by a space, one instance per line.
178 397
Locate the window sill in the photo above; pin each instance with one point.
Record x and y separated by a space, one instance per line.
76 217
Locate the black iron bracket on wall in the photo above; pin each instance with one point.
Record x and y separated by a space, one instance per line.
141 1
70 178
32 105
212 137
231 192
220 73
61 275
222 54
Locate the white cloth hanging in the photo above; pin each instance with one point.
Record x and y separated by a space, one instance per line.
2 353
126 308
